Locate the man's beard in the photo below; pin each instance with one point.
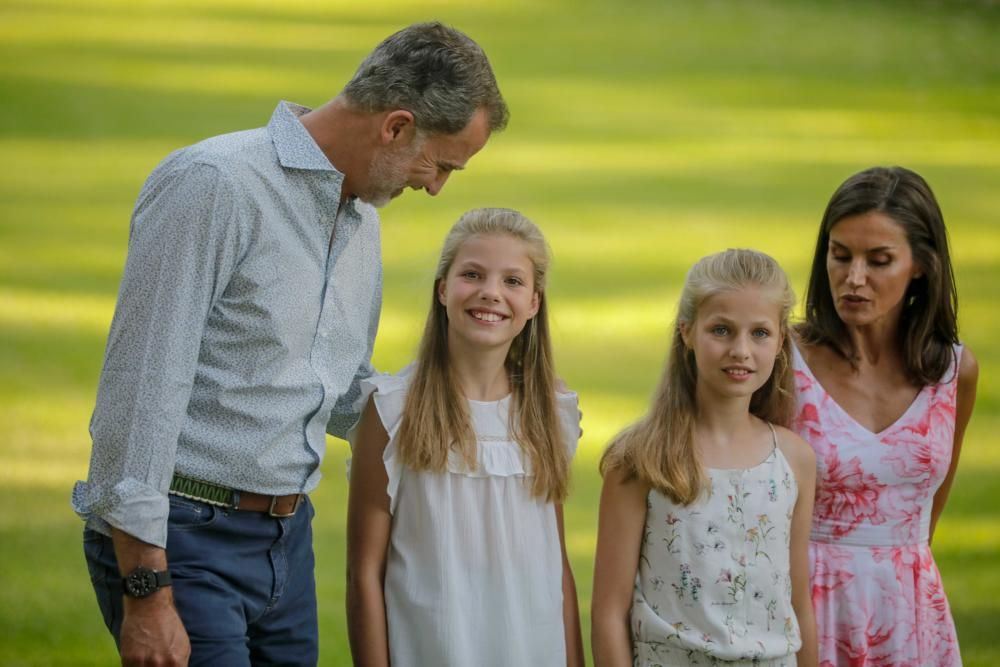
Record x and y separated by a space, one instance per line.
388 174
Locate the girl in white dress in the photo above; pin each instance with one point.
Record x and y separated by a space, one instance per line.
704 522
455 545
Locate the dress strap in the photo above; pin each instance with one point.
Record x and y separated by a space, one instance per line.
774 436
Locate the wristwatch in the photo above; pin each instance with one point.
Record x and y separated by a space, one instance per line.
142 582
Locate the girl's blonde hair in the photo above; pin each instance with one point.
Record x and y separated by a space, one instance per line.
658 450
435 418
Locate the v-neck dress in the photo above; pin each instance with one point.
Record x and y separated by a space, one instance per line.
875 587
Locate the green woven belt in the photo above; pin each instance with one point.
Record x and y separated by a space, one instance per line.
212 494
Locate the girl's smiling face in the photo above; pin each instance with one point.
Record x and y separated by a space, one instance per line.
489 292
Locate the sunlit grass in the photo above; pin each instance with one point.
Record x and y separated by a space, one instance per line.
643 136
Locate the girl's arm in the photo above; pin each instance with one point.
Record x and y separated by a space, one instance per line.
968 376
571 609
368 524
803 461
619 537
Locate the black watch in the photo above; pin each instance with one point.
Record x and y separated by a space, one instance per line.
142 582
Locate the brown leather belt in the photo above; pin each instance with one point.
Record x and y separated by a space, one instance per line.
213 494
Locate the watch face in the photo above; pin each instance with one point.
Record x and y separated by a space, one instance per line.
140 582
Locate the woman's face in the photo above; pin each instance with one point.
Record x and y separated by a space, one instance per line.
870 265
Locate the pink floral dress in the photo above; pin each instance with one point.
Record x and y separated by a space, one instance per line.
876 590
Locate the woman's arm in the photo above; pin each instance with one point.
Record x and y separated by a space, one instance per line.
619 538
368 524
968 376
803 461
571 609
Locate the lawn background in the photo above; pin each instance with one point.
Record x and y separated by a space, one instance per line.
643 136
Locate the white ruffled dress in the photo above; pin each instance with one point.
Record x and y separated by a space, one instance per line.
474 566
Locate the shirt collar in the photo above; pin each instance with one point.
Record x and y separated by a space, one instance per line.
298 150
295 146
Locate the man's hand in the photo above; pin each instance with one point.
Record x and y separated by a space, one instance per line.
152 633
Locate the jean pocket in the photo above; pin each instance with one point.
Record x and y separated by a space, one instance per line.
97 551
187 514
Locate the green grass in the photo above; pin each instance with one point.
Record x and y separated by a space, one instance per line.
644 135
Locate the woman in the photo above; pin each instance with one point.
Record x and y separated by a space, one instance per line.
885 392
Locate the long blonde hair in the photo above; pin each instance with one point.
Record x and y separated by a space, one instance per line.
658 450
435 418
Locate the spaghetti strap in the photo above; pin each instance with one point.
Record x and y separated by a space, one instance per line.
774 436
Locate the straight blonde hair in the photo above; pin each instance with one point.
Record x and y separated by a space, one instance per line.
435 418
658 450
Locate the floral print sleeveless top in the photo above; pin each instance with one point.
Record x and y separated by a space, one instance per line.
876 590
713 584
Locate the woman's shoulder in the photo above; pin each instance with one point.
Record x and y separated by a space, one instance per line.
968 366
814 355
968 375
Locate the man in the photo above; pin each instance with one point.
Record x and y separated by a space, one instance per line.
245 320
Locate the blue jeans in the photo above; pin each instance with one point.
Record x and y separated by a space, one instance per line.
243 584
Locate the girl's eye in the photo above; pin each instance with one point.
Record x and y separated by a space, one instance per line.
880 261
515 281
761 333
840 258
720 330
470 274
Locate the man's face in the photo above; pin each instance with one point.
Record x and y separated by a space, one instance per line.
388 173
424 162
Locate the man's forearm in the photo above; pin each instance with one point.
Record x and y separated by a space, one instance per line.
131 553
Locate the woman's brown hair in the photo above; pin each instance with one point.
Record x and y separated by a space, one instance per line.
928 326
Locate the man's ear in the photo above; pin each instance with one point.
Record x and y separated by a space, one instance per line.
398 125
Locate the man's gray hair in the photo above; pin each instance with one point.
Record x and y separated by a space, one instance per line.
433 71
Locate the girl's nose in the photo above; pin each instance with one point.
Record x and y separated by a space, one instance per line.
740 349
490 291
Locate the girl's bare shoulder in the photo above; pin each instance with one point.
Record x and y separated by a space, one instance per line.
798 452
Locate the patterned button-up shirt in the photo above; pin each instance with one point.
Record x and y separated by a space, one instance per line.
245 321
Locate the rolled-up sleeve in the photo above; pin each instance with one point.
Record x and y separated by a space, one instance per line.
184 245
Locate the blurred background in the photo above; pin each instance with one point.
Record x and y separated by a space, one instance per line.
644 134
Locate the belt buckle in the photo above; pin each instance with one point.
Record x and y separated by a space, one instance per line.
295 508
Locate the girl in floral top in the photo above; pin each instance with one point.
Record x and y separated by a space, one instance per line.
704 522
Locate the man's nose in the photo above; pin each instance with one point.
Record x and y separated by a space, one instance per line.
437 184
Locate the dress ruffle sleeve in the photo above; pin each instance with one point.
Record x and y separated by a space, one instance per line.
497 454
388 392
568 408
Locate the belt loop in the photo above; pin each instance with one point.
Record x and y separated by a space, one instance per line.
236 499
